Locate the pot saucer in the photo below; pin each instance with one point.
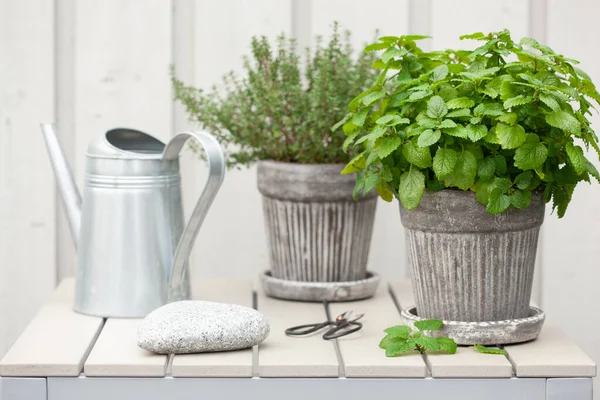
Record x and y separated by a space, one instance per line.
487 333
319 291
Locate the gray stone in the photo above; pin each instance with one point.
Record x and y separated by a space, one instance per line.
468 265
487 333
320 291
201 326
316 231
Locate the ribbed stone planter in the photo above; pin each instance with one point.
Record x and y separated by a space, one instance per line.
316 231
468 265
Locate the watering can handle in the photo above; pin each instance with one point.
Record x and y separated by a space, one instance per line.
216 173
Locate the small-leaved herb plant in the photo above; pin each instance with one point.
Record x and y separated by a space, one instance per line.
504 120
401 338
281 108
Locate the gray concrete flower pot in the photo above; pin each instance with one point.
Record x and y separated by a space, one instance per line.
316 231
468 265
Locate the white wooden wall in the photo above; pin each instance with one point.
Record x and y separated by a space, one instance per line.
91 65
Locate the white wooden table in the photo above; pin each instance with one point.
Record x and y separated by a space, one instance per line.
63 355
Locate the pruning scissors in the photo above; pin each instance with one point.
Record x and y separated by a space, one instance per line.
343 325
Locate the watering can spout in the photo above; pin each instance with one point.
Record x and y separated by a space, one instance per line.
67 188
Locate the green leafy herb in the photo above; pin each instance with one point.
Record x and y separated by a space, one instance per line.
401 338
281 108
506 120
488 350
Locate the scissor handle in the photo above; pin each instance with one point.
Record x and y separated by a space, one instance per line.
305 329
342 330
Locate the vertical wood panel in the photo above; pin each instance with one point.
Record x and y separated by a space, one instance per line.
122 57
27 224
390 17
231 241
571 273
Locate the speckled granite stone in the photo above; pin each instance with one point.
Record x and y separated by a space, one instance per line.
201 326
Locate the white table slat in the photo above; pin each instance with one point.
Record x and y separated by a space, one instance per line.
302 356
552 354
466 363
360 351
56 342
116 353
220 364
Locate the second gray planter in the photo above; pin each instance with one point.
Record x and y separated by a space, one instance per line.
316 231
468 265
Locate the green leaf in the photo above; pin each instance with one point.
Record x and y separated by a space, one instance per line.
460 102
488 109
523 180
489 350
429 324
342 122
447 344
444 162
517 101
508 118
419 95
459 131
439 73
510 136
428 137
576 157
370 182
392 120
550 101
372 97
486 168
376 47
415 37
354 165
427 123
398 348
463 112
384 192
531 154
375 134
476 36
399 331
520 199
464 172
498 202
446 124
591 169
388 145
436 107
419 156
476 132
563 120
392 53
500 164
428 343
359 118
412 186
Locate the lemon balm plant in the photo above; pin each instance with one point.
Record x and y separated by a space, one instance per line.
503 121
473 143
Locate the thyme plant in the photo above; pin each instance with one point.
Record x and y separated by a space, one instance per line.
503 120
278 109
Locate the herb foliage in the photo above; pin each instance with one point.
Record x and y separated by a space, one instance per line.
489 350
281 108
504 120
401 338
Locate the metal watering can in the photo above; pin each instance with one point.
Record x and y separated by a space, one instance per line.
132 243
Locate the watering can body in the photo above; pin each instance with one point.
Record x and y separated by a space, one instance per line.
131 239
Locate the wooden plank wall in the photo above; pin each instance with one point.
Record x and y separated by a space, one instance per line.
91 65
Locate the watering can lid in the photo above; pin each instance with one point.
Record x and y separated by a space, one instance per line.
125 143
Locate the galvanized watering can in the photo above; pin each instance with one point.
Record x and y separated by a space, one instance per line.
132 243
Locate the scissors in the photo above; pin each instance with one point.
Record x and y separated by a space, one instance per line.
343 325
